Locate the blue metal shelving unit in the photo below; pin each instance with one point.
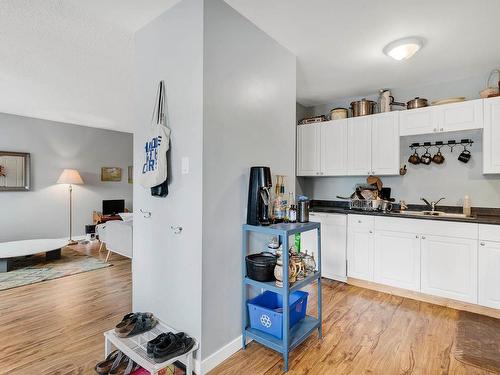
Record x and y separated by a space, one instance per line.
298 333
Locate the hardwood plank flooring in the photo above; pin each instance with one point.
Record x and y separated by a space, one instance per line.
365 332
56 327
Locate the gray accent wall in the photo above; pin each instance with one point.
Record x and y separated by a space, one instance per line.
249 119
43 212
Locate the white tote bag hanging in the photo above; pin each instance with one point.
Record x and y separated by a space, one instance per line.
156 145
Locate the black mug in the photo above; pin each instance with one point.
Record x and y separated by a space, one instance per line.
464 157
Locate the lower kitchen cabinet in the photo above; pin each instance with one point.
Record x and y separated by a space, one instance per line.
397 259
360 246
449 267
489 274
333 244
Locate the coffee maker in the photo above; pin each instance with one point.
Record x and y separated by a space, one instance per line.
259 196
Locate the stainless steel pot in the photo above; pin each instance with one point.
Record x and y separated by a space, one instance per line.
362 107
416 103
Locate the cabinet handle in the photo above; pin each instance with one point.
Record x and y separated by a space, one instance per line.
370 231
441 129
359 221
416 236
482 244
435 130
423 237
368 172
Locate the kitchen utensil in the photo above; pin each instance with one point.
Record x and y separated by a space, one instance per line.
414 158
491 89
416 103
303 211
464 156
309 264
374 181
386 206
260 267
426 158
456 99
259 196
312 120
362 107
338 113
384 100
438 158
403 170
385 193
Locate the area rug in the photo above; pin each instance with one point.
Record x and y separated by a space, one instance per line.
478 341
35 269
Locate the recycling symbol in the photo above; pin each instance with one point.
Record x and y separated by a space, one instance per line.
265 321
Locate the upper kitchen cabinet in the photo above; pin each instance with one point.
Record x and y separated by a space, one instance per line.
491 136
359 147
373 145
385 144
442 118
322 149
308 150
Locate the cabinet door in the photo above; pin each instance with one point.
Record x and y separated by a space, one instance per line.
491 136
449 267
385 144
360 253
334 246
397 259
359 146
308 150
309 239
489 275
460 116
417 121
334 148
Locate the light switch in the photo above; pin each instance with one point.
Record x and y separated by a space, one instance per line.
185 165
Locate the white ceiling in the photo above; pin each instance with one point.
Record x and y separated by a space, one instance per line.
339 43
71 60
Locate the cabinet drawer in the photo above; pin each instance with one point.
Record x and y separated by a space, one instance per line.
488 232
360 221
334 219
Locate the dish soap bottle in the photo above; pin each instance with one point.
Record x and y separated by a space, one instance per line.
467 206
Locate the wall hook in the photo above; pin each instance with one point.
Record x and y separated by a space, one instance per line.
176 229
146 214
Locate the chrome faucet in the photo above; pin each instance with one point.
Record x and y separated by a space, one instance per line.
431 204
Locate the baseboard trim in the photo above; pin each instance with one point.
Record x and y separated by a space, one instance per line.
220 355
442 301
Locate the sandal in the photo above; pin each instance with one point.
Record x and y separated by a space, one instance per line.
175 346
123 366
103 367
136 325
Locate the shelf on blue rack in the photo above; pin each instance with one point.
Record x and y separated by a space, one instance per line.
278 229
298 333
271 285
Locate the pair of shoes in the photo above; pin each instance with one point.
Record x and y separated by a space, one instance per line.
134 323
170 346
116 363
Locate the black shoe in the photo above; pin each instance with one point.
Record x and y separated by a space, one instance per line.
156 341
174 346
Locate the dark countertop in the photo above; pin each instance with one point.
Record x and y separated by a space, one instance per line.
480 215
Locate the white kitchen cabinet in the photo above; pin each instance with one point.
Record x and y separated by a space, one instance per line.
385 144
466 115
449 267
360 246
308 150
333 244
397 259
491 136
489 274
334 148
359 146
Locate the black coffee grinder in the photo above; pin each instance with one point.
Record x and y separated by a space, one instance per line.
259 196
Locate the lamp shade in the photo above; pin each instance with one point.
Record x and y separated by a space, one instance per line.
70 176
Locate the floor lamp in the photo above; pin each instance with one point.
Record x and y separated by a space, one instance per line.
70 177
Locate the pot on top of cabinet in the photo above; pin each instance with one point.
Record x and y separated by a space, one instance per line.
416 103
338 113
362 107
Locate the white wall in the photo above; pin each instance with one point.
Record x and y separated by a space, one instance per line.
452 180
43 211
249 117
167 267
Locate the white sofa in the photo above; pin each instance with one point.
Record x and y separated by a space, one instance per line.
116 235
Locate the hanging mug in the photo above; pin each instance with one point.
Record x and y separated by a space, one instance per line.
426 158
414 158
464 157
438 158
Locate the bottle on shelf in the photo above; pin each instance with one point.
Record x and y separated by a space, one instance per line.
278 213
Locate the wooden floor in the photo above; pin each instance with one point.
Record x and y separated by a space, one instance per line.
55 327
365 332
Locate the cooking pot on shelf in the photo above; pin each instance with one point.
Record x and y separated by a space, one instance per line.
362 107
338 113
416 103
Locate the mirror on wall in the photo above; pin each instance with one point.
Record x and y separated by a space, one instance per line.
14 171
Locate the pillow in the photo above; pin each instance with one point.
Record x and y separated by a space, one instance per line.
127 216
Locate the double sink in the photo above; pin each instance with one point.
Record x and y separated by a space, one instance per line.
434 214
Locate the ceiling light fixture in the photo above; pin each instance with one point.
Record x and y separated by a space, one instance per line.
403 49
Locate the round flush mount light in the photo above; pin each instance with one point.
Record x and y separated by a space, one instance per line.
403 49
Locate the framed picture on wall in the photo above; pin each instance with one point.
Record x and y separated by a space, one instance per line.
14 171
111 174
130 174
